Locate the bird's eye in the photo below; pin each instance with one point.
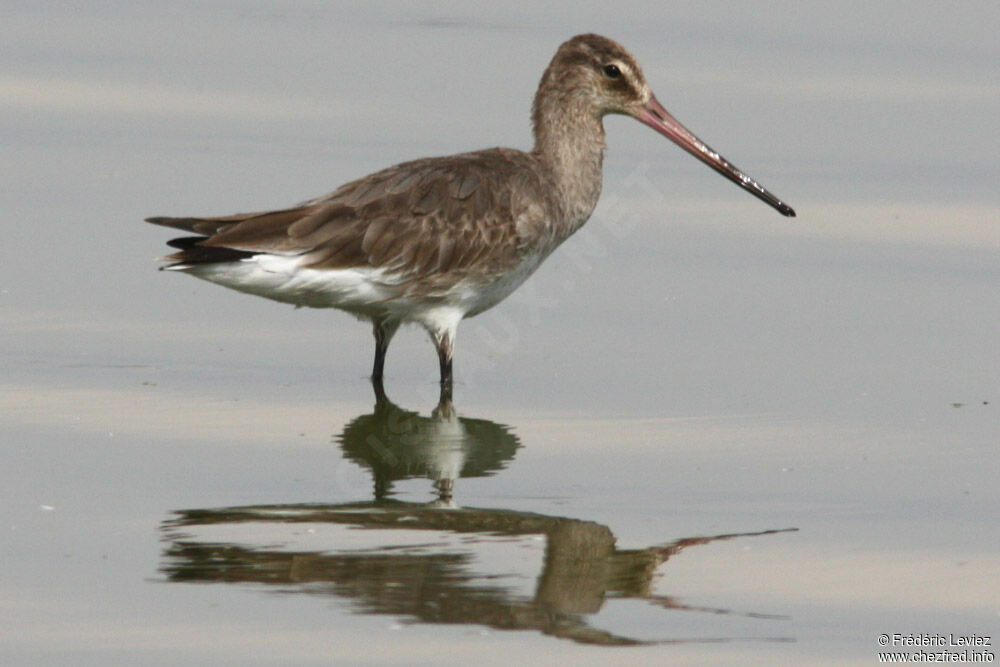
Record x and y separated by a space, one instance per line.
612 71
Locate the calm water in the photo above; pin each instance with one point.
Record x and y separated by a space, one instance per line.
701 433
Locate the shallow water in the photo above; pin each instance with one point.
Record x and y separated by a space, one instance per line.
701 433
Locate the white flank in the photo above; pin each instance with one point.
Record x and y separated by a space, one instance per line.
369 293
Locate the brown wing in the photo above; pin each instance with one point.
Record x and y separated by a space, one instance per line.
430 216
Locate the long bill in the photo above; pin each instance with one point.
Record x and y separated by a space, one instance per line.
658 118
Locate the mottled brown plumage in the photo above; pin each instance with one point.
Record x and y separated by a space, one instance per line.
429 217
438 239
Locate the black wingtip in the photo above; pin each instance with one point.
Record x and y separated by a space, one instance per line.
192 253
185 242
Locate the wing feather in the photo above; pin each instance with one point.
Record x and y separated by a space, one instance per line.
418 219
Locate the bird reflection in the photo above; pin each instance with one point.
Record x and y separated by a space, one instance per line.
397 444
426 561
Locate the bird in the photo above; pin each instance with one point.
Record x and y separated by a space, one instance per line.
436 240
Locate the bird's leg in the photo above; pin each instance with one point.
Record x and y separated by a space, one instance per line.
444 342
381 399
444 356
384 330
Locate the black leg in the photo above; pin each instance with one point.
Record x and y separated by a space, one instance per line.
380 396
384 332
443 342
445 359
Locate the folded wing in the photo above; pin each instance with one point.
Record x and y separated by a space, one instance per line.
430 216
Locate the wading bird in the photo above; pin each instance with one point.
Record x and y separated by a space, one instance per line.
436 240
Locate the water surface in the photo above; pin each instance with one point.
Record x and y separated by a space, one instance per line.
701 433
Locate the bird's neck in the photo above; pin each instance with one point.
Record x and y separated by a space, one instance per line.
569 141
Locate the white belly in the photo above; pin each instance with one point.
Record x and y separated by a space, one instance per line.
369 293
